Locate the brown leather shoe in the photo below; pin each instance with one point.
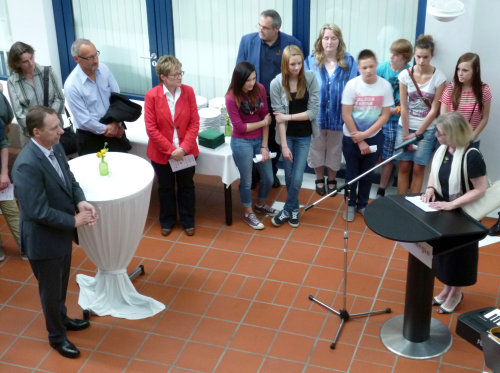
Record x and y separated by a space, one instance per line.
166 231
189 231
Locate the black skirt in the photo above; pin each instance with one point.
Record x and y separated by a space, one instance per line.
459 267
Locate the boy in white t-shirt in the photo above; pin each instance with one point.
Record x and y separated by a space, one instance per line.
366 103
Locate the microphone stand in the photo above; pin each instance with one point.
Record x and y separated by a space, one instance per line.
343 313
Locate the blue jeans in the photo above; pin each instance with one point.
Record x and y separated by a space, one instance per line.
243 152
356 164
294 171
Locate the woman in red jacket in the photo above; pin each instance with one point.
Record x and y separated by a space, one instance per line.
172 124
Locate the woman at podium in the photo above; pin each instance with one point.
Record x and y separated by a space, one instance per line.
447 190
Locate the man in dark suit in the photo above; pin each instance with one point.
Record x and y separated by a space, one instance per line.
52 207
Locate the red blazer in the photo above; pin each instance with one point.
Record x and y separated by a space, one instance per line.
160 128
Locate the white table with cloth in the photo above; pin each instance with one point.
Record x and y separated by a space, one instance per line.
122 202
218 162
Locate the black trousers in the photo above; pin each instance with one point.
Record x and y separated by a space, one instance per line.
52 276
175 189
89 143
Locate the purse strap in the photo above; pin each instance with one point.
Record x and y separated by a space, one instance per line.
465 180
424 99
46 86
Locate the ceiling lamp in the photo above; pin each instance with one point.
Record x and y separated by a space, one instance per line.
445 10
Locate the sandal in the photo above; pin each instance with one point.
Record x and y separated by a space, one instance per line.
331 182
445 310
320 190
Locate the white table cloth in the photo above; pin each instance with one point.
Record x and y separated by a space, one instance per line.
218 162
122 201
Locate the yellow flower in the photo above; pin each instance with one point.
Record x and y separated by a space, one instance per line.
103 151
99 155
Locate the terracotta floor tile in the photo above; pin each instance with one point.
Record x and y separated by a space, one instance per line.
214 281
15 269
214 332
37 328
199 357
232 285
332 257
415 366
394 285
253 265
179 275
7 290
264 246
234 241
376 245
241 362
222 260
8 368
253 339
286 294
463 355
335 238
191 301
176 324
15 320
228 308
368 264
185 254
100 362
288 271
137 366
351 330
152 248
299 252
269 291
309 234
16 354
303 322
113 341
377 357
324 278
55 363
272 365
162 272
302 300
265 315
318 216
361 284
27 297
339 358
372 367
160 349
163 294
5 342
250 287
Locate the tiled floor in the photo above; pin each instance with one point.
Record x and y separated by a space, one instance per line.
237 300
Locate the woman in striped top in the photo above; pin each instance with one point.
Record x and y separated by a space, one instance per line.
468 94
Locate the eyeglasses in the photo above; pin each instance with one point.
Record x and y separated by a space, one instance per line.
178 75
90 58
265 28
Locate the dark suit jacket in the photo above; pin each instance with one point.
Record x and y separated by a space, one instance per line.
47 205
160 127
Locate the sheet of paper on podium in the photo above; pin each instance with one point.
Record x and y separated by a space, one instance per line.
418 202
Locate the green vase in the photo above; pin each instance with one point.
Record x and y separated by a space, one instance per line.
103 167
228 129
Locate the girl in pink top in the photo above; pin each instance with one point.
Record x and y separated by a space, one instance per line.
468 94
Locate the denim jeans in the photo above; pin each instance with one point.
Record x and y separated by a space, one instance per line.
294 171
243 152
356 164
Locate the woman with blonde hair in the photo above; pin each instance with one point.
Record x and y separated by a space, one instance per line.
447 190
333 67
295 101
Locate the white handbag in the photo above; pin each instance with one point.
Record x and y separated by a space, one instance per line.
478 209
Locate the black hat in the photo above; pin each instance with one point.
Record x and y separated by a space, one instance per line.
121 109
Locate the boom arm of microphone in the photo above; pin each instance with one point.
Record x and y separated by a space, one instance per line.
405 144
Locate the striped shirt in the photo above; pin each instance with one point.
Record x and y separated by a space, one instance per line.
468 104
24 95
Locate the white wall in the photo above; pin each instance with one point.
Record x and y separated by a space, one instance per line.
32 22
475 31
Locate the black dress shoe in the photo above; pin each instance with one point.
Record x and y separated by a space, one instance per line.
66 348
75 324
276 182
495 230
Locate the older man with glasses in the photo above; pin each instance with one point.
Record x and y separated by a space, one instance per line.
87 90
264 49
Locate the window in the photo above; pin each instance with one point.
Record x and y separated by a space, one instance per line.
5 38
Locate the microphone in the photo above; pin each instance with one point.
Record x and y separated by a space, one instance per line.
407 143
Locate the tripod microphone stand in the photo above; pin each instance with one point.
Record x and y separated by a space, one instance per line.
343 313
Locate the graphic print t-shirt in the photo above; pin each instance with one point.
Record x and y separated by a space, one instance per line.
417 108
367 101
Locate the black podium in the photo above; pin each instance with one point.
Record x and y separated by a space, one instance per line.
415 334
